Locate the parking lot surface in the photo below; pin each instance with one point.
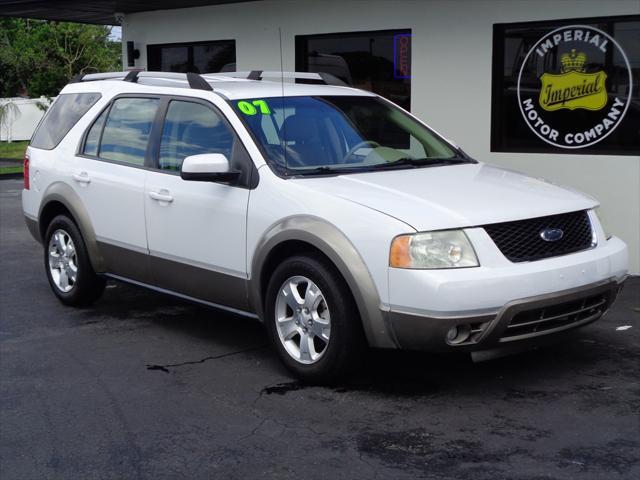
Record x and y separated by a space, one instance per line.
143 386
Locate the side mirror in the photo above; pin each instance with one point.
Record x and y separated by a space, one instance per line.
208 167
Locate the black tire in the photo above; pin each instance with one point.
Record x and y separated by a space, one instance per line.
88 286
346 346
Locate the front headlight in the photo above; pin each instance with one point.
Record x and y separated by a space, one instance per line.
603 222
440 249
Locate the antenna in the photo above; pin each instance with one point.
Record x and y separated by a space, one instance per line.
284 122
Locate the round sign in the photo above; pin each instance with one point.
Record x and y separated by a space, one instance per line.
568 87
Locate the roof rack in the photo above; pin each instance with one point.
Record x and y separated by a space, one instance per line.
202 82
308 77
193 79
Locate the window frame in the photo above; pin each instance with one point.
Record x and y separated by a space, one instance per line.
204 103
152 153
107 109
301 54
189 46
247 161
496 144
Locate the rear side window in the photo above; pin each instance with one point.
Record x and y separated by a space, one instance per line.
61 117
121 133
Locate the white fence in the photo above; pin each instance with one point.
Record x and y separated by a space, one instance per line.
21 121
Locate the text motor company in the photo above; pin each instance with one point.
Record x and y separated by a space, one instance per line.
573 88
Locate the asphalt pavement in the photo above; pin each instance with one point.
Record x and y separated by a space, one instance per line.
143 386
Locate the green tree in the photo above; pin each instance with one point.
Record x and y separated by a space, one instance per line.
38 57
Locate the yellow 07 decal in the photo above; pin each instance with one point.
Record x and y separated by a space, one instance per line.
249 108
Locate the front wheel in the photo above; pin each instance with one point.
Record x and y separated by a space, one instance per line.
67 264
312 319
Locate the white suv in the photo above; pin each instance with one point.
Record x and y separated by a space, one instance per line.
330 214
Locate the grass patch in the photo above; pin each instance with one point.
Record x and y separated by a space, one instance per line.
5 170
13 150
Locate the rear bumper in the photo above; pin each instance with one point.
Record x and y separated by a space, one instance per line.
30 210
523 320
32 226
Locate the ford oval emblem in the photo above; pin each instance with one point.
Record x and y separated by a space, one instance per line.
551 234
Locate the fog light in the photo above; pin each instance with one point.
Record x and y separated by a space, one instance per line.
458 334
452 334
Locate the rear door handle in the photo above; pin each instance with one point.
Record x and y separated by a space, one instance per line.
82 177
161 196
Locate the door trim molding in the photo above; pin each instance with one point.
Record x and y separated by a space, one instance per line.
217 306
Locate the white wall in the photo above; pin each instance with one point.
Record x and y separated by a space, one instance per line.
451 71
22 125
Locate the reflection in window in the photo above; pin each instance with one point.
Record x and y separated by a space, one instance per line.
200 57
61 117
339 131
376 61
192 129
127 129
93 137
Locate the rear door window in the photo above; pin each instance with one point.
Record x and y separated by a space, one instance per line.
124 135
92 141
62 115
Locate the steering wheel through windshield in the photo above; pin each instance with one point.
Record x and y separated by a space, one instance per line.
358 146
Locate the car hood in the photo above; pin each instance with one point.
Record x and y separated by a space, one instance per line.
453 196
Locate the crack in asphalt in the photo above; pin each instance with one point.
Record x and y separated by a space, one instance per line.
283 388
255 430
165 368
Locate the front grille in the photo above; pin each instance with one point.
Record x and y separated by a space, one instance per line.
535 322
521 241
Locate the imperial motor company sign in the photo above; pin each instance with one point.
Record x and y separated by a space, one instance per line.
573 106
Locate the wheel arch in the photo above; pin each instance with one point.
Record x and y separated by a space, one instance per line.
297 234
59 198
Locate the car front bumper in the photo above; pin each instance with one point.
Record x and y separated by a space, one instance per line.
499 305
520 320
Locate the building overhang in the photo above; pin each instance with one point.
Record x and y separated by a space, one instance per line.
93 11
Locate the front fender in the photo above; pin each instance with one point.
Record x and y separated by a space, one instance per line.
336 246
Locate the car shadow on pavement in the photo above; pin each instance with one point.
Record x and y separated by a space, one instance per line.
126 306
386 372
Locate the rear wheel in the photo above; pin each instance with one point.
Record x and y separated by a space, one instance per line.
312 319
67 264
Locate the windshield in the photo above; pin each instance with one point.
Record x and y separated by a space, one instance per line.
343 134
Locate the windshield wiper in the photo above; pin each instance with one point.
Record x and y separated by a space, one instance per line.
319 170
400 162
404 161
421 162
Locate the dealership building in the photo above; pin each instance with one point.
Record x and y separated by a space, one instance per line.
549 88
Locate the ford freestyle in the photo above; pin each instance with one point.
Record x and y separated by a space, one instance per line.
335 217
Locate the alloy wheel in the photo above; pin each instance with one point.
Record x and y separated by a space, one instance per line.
63 262
303 321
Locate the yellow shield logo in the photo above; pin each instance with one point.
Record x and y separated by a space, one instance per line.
573 90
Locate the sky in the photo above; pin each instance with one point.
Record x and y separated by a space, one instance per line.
116 34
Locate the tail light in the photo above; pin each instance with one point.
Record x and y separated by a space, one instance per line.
25 170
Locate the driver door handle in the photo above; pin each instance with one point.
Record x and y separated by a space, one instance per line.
161 196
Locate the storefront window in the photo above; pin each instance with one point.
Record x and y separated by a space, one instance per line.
200 57
376 61
569 86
